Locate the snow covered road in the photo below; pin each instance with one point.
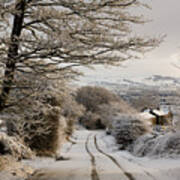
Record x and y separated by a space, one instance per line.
91 159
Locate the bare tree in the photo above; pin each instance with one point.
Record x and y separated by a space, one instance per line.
51 36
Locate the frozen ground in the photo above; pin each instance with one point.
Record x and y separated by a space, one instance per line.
95 157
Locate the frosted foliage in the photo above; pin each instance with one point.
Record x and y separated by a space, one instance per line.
46 114
127 128
14 146
161 146
107 111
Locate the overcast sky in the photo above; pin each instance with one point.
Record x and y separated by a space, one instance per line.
166 20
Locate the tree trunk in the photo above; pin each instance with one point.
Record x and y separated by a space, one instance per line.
12 52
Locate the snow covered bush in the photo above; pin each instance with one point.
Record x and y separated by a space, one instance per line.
101 104
167 145
15 147
92 96
127 128
38 127
108 111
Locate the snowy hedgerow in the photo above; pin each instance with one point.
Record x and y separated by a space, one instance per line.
43 116
127 128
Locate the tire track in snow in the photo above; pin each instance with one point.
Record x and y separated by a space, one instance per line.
127 174
94 174
140 165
